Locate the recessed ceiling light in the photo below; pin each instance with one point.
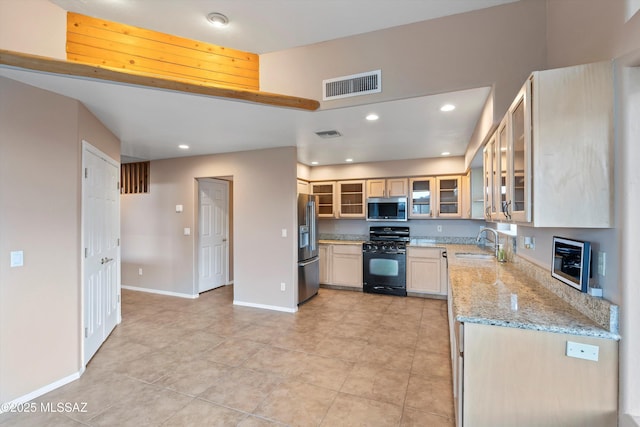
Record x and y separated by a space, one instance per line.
447 107
314 163
372 117
218 19
183 146
348 160
445 153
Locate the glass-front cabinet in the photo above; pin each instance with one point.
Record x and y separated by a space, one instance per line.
449 197
422 195
351 199
507 164
326 198
518 188
433 197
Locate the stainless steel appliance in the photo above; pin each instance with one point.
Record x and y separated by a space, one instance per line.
308 259
384 261
387 209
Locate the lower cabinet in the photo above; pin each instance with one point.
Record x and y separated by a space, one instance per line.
516 377
341 265
426 271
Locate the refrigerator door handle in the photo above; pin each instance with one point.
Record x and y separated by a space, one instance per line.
311 218
311 261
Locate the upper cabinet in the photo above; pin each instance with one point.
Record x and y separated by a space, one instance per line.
432 197
351 199
392 187
326 198
551 160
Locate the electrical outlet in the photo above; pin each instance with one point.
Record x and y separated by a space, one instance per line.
530 242
284 232
282 286
582 351
439 228
140 271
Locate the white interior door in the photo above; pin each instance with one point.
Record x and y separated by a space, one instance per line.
212 234
101 262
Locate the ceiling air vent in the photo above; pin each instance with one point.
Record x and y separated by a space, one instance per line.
328 134
354 85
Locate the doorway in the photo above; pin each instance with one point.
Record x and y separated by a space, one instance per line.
213 233
101 248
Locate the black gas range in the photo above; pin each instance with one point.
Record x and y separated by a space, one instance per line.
384 261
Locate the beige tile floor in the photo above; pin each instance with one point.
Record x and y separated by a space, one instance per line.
344 359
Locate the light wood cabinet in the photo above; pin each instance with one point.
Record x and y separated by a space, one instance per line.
324 253
518 377
391 187
326 192
426 271
435 197
303 187
346 265
351 199
476 194
341 265
551 162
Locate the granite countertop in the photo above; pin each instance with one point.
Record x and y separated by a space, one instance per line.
493 293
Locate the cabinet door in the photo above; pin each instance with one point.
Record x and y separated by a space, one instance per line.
424 270
376 188
351 199
489 177
422 195
500 181
397 187
326 198
303 187
346 265
519 155
324 252
449 197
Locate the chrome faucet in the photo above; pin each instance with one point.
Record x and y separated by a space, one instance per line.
495 238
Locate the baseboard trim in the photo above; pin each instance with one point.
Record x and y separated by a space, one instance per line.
265 306
39 392
160 292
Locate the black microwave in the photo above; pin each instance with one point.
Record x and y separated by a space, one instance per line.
387 209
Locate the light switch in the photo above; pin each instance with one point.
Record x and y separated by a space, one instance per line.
179 208
284 232
17 258
187 231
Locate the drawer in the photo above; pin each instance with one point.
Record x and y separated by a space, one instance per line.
424 252
347 249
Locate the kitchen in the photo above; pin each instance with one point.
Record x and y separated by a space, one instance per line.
281 170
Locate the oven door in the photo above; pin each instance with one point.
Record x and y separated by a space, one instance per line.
384 273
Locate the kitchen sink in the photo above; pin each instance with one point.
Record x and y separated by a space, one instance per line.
474 255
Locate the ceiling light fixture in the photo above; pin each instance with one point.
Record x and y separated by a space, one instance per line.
447 107
314 163
445 153
183 146
218 19
372 117
348 160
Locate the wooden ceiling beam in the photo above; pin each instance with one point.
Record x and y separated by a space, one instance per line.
68 68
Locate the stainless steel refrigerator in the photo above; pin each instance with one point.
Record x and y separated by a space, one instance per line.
308 259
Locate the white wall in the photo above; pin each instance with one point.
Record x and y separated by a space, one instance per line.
37 27
498 46
264 203
40 202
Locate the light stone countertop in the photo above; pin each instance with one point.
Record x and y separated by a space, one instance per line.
493 293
